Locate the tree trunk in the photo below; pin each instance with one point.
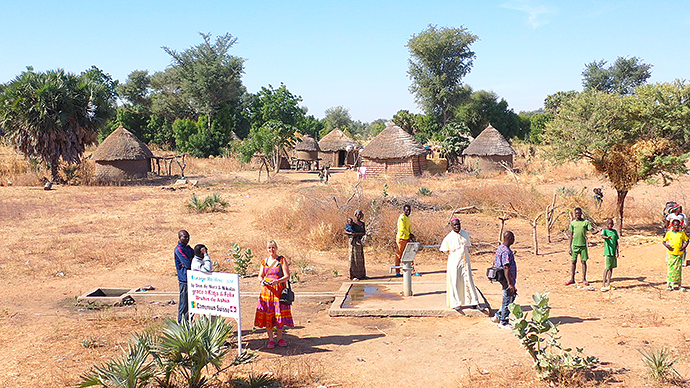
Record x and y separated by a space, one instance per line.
620 203
53 173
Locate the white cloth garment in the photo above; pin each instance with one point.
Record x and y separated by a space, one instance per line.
460 289
203 265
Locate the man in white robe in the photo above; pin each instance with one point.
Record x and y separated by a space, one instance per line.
460 289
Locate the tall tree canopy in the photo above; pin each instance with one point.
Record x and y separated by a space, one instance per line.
54 115
276 104
626 138
622 77
439 59
484 108
337 117
208 75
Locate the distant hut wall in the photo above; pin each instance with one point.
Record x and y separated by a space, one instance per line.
339 158
122 169
487 163
307 155
408 167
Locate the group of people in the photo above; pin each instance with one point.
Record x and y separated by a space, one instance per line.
273 276
460 290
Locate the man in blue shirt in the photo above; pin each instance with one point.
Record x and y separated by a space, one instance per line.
506 259
183 261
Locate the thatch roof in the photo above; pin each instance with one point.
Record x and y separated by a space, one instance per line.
393 143
489 142
308 144
121 145
337 140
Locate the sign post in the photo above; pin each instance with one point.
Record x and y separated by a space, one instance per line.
215 293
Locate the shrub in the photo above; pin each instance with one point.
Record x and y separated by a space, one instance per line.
660 365
178 352
539 336
424 191
242 259
212 203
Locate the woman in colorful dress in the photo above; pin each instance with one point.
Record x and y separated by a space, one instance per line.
355 229
270 313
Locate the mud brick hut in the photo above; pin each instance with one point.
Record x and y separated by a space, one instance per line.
307 148
488 150
121 156
394 152
334 149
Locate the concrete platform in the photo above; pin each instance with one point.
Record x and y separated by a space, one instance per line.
117 296
384 299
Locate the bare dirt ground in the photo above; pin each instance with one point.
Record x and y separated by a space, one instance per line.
59 244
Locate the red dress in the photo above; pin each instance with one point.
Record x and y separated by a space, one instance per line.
270 312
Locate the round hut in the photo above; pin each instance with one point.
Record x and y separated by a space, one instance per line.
394 152
121 156
307 150
338 149
488 150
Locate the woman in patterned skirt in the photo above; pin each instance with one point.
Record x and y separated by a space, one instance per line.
270 313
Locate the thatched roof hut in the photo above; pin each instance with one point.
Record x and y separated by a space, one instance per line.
488 150
338 149
121 155
307 148
394 152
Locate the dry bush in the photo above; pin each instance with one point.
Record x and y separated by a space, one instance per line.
17 170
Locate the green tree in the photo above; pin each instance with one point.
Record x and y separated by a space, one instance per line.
137 89
167 99
484 108
337 117
268 142
405 120
456 139
626 138
271 104
375 127
311 126
622 77
208 76
54 115
439 59
553 102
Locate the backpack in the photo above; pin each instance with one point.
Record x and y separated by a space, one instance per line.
495 274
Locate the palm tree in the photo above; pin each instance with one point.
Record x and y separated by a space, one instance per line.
54 115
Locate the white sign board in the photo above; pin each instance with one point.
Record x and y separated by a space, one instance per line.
215 293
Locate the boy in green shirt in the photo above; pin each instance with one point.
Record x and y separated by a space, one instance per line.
578 246
611 253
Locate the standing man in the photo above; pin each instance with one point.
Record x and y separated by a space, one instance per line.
506 259
403 237
183 261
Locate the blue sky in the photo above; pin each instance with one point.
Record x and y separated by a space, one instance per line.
352 53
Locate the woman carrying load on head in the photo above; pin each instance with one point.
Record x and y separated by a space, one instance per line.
355 229
270 313
460 289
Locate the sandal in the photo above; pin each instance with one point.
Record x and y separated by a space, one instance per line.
282 343
569 282
585 283
271 344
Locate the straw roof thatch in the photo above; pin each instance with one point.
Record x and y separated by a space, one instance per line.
307 143
337 140
489 142
121 145
393 143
